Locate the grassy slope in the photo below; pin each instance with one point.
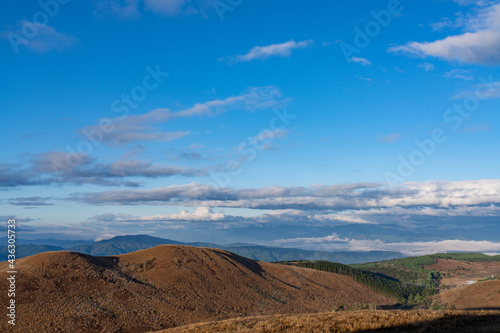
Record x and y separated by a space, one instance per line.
416 271
410 280
167 286
358 321
380 283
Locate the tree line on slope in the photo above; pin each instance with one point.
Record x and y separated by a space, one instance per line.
382 284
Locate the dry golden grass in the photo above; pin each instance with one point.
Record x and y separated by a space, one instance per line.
358 321
470 271
480 295
166 286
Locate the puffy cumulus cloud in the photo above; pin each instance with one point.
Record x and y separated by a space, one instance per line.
426 211
133 128
479 44
321 197
273 50
334 242
482 47
200 214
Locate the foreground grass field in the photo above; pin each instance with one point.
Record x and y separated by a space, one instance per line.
358 321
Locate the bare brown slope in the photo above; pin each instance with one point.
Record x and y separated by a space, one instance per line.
480 295
459 272
358 321
164 287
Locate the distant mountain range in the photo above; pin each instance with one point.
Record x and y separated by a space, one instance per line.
126 244
64 243
29 250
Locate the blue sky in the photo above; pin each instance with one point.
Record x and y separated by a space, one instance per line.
367 125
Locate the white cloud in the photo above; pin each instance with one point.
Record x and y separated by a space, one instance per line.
273 50
480 44
459 74
170 7
342 217
362 61
124 9
145 127
487 91
444 23
442 194
362 78
427 66
43 39
466 2
196 146
265 140
104 237
334 242
200 214
134 9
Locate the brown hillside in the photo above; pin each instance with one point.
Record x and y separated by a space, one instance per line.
458 272
358 321
480 295
164 287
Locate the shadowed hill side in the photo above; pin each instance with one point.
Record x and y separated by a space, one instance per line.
167 286
357 321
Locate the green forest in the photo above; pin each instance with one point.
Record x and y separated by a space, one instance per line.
380 283
406 279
